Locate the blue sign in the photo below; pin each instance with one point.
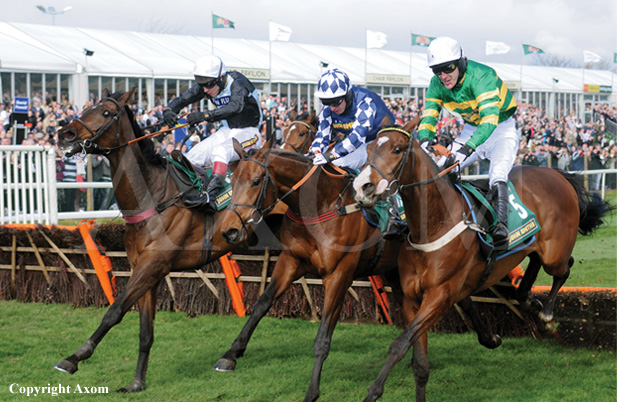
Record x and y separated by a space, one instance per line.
21 105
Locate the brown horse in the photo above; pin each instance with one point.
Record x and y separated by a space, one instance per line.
434 278
163 236
324 234
300 134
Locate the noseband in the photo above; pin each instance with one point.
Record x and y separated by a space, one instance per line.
88 145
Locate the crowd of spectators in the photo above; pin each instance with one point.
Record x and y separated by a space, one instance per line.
565 143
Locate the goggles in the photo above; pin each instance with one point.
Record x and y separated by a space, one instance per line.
333 102
447 68
206 82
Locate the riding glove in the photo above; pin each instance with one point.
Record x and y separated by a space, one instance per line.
319 159
425 144
197 117
462 153
170 117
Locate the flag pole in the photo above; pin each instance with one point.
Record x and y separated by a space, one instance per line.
270 65
212 30
366 56
410 65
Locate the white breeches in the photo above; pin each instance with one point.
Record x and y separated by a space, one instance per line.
219 146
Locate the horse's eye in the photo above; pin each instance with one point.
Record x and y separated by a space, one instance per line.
302 134
106 113
255 182
397 150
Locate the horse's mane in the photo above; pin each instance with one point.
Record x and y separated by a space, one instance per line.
146 145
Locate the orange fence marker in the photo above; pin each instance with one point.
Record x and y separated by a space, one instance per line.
236 289
102 264
381 295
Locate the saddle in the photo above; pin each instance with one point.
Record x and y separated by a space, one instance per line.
193 180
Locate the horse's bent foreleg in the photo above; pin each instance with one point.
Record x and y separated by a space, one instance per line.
147 310
435 304
279 283
136 287
523 294
486 339
335 292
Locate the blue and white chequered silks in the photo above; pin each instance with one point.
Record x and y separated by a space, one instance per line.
363 120
332 84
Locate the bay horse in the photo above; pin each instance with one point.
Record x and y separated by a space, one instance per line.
157 243
323 234
299 135
434 278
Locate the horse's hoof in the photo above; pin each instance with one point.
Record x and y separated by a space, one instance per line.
493 343
135 386
66 366
225 364
546 317
534 305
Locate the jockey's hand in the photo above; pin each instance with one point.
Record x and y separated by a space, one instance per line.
170 117
319 159
461 154
425 144
197 117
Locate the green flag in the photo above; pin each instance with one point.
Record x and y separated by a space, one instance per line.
528 49
420 40
615 58
220 22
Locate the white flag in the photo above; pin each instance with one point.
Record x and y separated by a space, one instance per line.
376 40
591 57
496 48
279 32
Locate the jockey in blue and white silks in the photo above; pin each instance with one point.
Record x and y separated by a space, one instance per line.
353 113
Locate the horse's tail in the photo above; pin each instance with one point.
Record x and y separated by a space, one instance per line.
592 207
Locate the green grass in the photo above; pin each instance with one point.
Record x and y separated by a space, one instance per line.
595 256
278 363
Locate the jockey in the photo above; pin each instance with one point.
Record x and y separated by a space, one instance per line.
355 114
237 107
475 92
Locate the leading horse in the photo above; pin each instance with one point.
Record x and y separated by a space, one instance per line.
324 234
161 236
444 264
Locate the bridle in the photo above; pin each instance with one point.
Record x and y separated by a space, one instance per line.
395 179
306 140
88 145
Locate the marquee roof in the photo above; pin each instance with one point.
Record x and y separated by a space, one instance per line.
56 49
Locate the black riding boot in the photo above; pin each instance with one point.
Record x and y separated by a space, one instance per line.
502 204
208 199
395 227
214 186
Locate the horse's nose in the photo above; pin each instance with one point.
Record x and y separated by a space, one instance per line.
67 134
232 235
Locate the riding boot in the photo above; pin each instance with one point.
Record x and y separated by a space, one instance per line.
214 186
395 228
500 233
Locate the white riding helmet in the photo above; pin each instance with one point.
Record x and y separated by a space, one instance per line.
208 67
443 50
333 84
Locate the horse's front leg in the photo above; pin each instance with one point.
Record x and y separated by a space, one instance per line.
486 339
284 273
147 310
136 288
335 291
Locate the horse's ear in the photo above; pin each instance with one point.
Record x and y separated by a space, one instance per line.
105 93
293 115
411 125
125 99
386 122
238 148
267 147
313 119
